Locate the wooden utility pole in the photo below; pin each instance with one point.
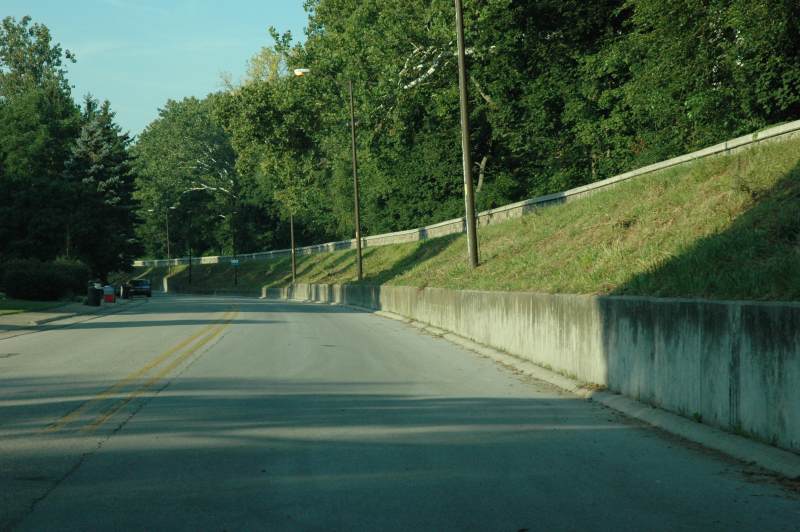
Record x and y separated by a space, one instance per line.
359 268
469 195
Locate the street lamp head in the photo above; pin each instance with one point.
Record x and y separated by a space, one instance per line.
151 210
299 72
173 208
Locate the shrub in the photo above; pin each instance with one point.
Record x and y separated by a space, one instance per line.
31 279
14 265
76 272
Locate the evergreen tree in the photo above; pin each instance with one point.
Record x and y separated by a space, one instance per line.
100 228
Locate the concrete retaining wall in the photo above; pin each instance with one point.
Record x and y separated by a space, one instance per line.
499 214
734 365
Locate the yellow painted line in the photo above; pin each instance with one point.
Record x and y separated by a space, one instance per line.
67 418
105 416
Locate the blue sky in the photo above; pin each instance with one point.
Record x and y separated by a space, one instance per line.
139 53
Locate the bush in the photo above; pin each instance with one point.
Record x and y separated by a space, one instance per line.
31 279
14 265
76 272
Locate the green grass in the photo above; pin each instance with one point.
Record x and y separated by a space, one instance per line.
722 228
15 306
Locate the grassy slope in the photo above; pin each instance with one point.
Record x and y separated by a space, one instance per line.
727 227
15 306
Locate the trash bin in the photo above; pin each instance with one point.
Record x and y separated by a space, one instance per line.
93 295
109 294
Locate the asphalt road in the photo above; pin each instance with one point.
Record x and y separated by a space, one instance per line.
200 413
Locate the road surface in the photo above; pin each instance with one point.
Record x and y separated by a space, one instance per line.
201 413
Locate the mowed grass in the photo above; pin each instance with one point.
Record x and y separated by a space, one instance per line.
722 228
15 306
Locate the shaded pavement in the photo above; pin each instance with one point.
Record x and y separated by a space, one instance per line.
213 413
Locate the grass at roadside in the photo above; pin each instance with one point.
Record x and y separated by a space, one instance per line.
15 306
722 228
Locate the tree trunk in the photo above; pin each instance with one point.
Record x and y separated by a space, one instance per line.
481 172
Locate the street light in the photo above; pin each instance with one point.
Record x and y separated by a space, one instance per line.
169 258
291 236
469 197
300 72
166 219
189 240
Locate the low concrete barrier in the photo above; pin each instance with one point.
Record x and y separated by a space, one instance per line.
733 365
499 214
170 286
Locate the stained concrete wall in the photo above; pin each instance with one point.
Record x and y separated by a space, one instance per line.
505 212
735 365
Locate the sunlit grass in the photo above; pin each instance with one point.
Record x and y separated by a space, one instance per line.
725 227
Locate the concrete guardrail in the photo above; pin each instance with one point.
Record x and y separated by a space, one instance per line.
499 214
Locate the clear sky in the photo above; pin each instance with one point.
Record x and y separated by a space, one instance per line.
139 53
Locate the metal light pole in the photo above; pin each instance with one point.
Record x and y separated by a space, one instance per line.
291 235
166 219
169 256
469 196
299 72
189 241
359 268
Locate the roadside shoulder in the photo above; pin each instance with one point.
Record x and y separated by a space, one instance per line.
63 316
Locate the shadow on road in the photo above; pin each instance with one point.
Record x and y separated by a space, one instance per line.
355 453
96 324
168 306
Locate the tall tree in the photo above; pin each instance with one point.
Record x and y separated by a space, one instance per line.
273 128
29 59
562 93
681 75
38 123
184 161
101 184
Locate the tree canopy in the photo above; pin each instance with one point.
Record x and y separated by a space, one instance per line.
65 178
562 93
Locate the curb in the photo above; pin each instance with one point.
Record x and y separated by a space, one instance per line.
36 323
34 326
784 463
89 315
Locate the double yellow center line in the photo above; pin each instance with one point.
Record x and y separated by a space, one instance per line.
141 380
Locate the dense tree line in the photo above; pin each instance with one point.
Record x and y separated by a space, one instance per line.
66 181
563 93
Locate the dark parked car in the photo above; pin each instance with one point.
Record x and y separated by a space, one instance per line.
137 287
